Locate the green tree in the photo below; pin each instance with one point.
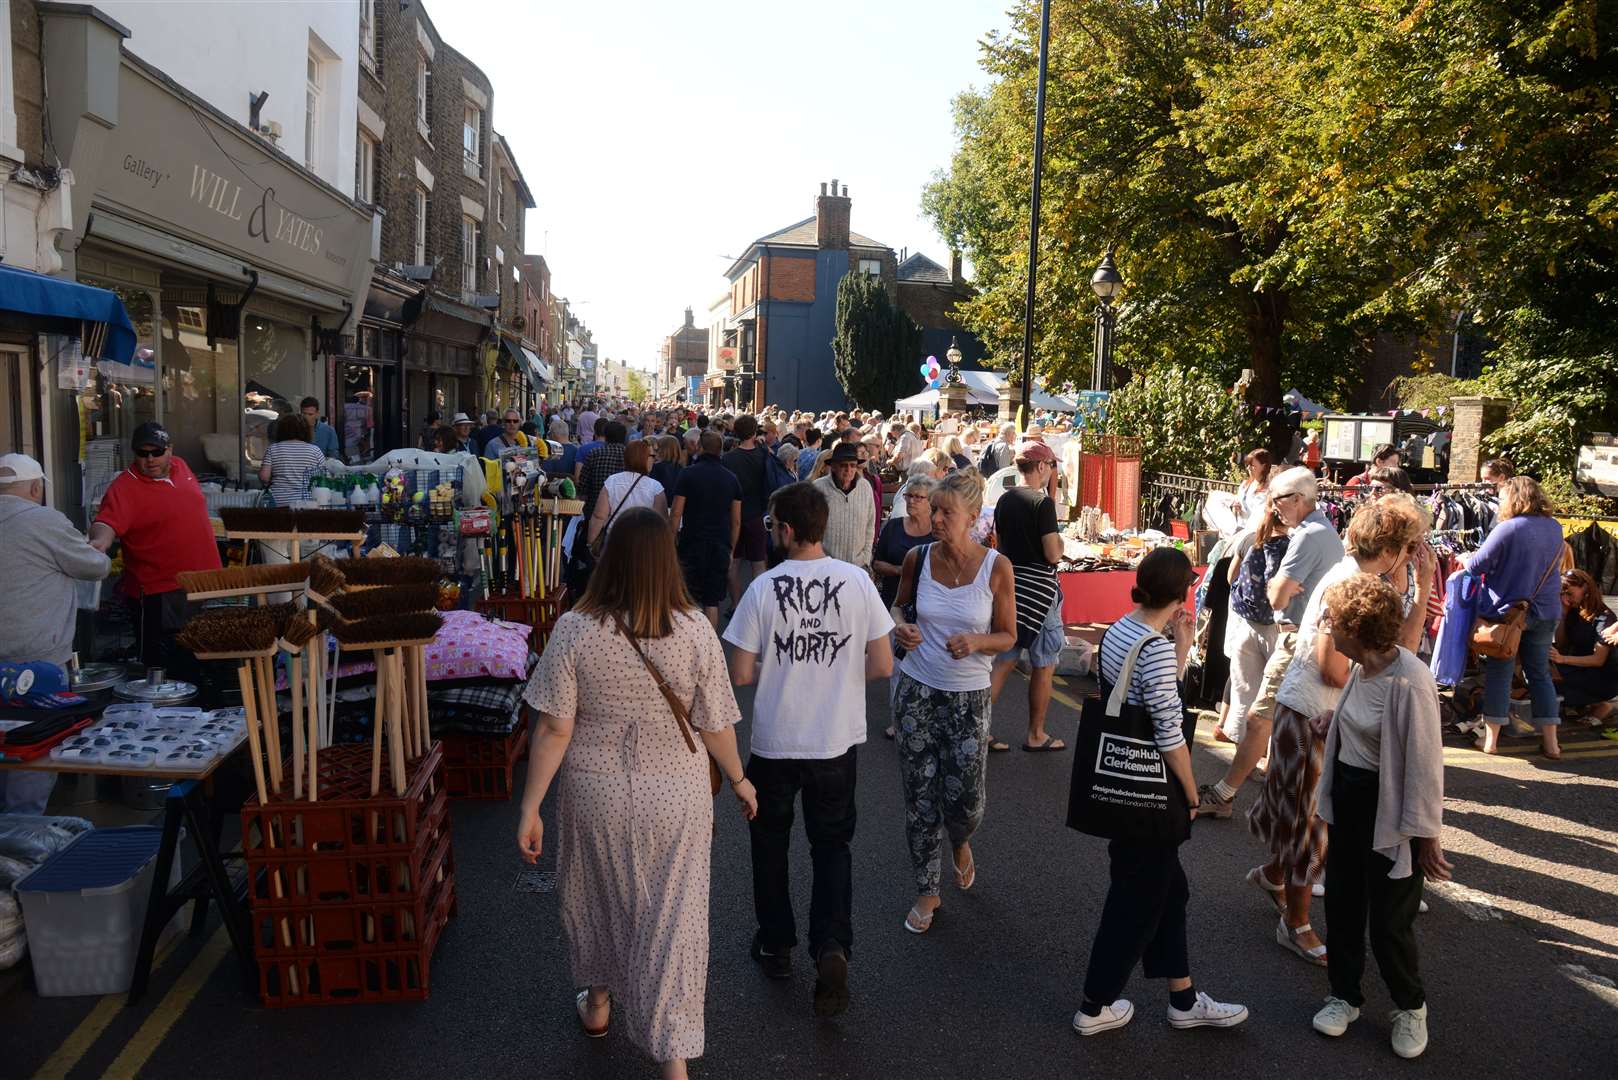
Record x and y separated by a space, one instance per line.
638 389
876 349
1187 422
1466 147
1286 180
1123 166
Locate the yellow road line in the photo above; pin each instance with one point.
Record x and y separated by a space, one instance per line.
139 1049
91 1028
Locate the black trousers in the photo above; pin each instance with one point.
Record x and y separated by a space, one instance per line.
827 787
1143 921
1359 891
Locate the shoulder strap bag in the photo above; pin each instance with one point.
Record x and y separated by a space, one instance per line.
1501 636
913 580
682 714
1121 787
599 544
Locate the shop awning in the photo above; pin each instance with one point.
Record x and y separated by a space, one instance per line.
983 388
28 293
539 368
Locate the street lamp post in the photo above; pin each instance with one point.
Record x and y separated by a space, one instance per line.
953 378
1107 283
1033 209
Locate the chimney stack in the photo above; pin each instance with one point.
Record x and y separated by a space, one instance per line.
688 317
955 276
832 218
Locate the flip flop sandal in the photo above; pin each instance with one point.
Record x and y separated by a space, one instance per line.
581 1003
964 879
1049 746
1274 893
917 923
998 746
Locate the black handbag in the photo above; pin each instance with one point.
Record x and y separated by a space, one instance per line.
1122 788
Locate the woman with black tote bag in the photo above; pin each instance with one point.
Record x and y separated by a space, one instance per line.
1143 921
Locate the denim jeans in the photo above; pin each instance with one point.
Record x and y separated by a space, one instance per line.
1535 654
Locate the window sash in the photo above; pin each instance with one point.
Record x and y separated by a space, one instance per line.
471 134
421 226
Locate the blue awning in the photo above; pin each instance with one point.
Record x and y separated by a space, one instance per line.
28 293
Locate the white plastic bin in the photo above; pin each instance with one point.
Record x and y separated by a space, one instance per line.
84 908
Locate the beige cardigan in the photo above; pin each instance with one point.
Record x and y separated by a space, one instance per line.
1410 782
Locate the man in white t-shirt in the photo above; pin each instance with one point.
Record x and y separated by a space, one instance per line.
810 633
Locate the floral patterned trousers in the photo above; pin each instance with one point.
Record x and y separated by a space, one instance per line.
943 738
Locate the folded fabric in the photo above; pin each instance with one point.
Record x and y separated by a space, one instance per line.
469 645
496 699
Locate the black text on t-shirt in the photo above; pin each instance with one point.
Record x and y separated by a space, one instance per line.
804 604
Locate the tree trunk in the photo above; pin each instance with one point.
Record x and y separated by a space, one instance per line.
1266 320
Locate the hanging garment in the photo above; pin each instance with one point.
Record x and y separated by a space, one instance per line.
1451 652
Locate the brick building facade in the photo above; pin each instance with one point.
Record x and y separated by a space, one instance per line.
684 353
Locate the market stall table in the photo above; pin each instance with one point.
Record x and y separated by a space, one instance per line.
190 800
1101 596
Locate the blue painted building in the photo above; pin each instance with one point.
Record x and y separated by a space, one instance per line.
783 302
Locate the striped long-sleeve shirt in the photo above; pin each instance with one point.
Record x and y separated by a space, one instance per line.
1154 684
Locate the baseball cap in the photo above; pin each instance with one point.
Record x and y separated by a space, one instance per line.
150 433
1030 450
18 468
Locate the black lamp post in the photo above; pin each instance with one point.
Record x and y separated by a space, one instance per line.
954 358
1107 283
1033 209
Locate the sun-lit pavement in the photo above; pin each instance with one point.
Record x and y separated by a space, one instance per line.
1516 955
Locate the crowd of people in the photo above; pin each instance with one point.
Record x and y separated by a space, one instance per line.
1328 688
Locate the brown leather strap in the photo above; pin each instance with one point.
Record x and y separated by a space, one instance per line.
682 716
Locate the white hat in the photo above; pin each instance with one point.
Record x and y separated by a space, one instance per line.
460 418
19 468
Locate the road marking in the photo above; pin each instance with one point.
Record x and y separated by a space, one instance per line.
145 1041
93 1026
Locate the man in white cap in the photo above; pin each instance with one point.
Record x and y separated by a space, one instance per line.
41 557
462 424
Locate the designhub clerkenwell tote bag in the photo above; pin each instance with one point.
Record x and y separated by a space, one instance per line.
1122 788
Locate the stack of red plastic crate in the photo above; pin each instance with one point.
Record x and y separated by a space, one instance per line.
350 894
481 766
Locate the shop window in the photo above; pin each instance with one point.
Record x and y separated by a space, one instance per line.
202 402
121 397
275 363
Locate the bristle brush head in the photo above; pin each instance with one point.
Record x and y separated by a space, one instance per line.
229 630
330 522
386 600
299 632
420 626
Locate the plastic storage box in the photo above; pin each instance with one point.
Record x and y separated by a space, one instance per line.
84 908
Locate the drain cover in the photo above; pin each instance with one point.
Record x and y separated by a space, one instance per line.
535 881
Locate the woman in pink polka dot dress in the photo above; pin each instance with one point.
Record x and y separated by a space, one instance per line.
634 817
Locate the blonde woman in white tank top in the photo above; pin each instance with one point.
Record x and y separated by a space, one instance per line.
960 614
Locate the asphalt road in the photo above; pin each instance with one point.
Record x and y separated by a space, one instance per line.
1518 957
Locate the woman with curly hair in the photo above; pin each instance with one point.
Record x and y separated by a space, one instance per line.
1586 665
1380 537
1382 797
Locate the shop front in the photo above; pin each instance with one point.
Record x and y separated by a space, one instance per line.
237 268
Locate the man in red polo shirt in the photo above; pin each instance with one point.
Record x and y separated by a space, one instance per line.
156 510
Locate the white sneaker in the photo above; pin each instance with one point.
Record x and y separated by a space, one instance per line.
1421 907
1111 1016
1334 1019
1207 1013
1317 889
1409 1031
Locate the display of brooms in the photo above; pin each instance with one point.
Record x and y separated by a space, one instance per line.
383 605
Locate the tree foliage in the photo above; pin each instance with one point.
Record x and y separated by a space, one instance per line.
1286 180
876 349
637 388
1187 422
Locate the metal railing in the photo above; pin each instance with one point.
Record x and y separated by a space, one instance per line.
1165 497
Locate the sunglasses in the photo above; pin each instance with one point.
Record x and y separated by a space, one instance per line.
151 452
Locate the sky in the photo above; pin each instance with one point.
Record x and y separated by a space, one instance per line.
660 138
